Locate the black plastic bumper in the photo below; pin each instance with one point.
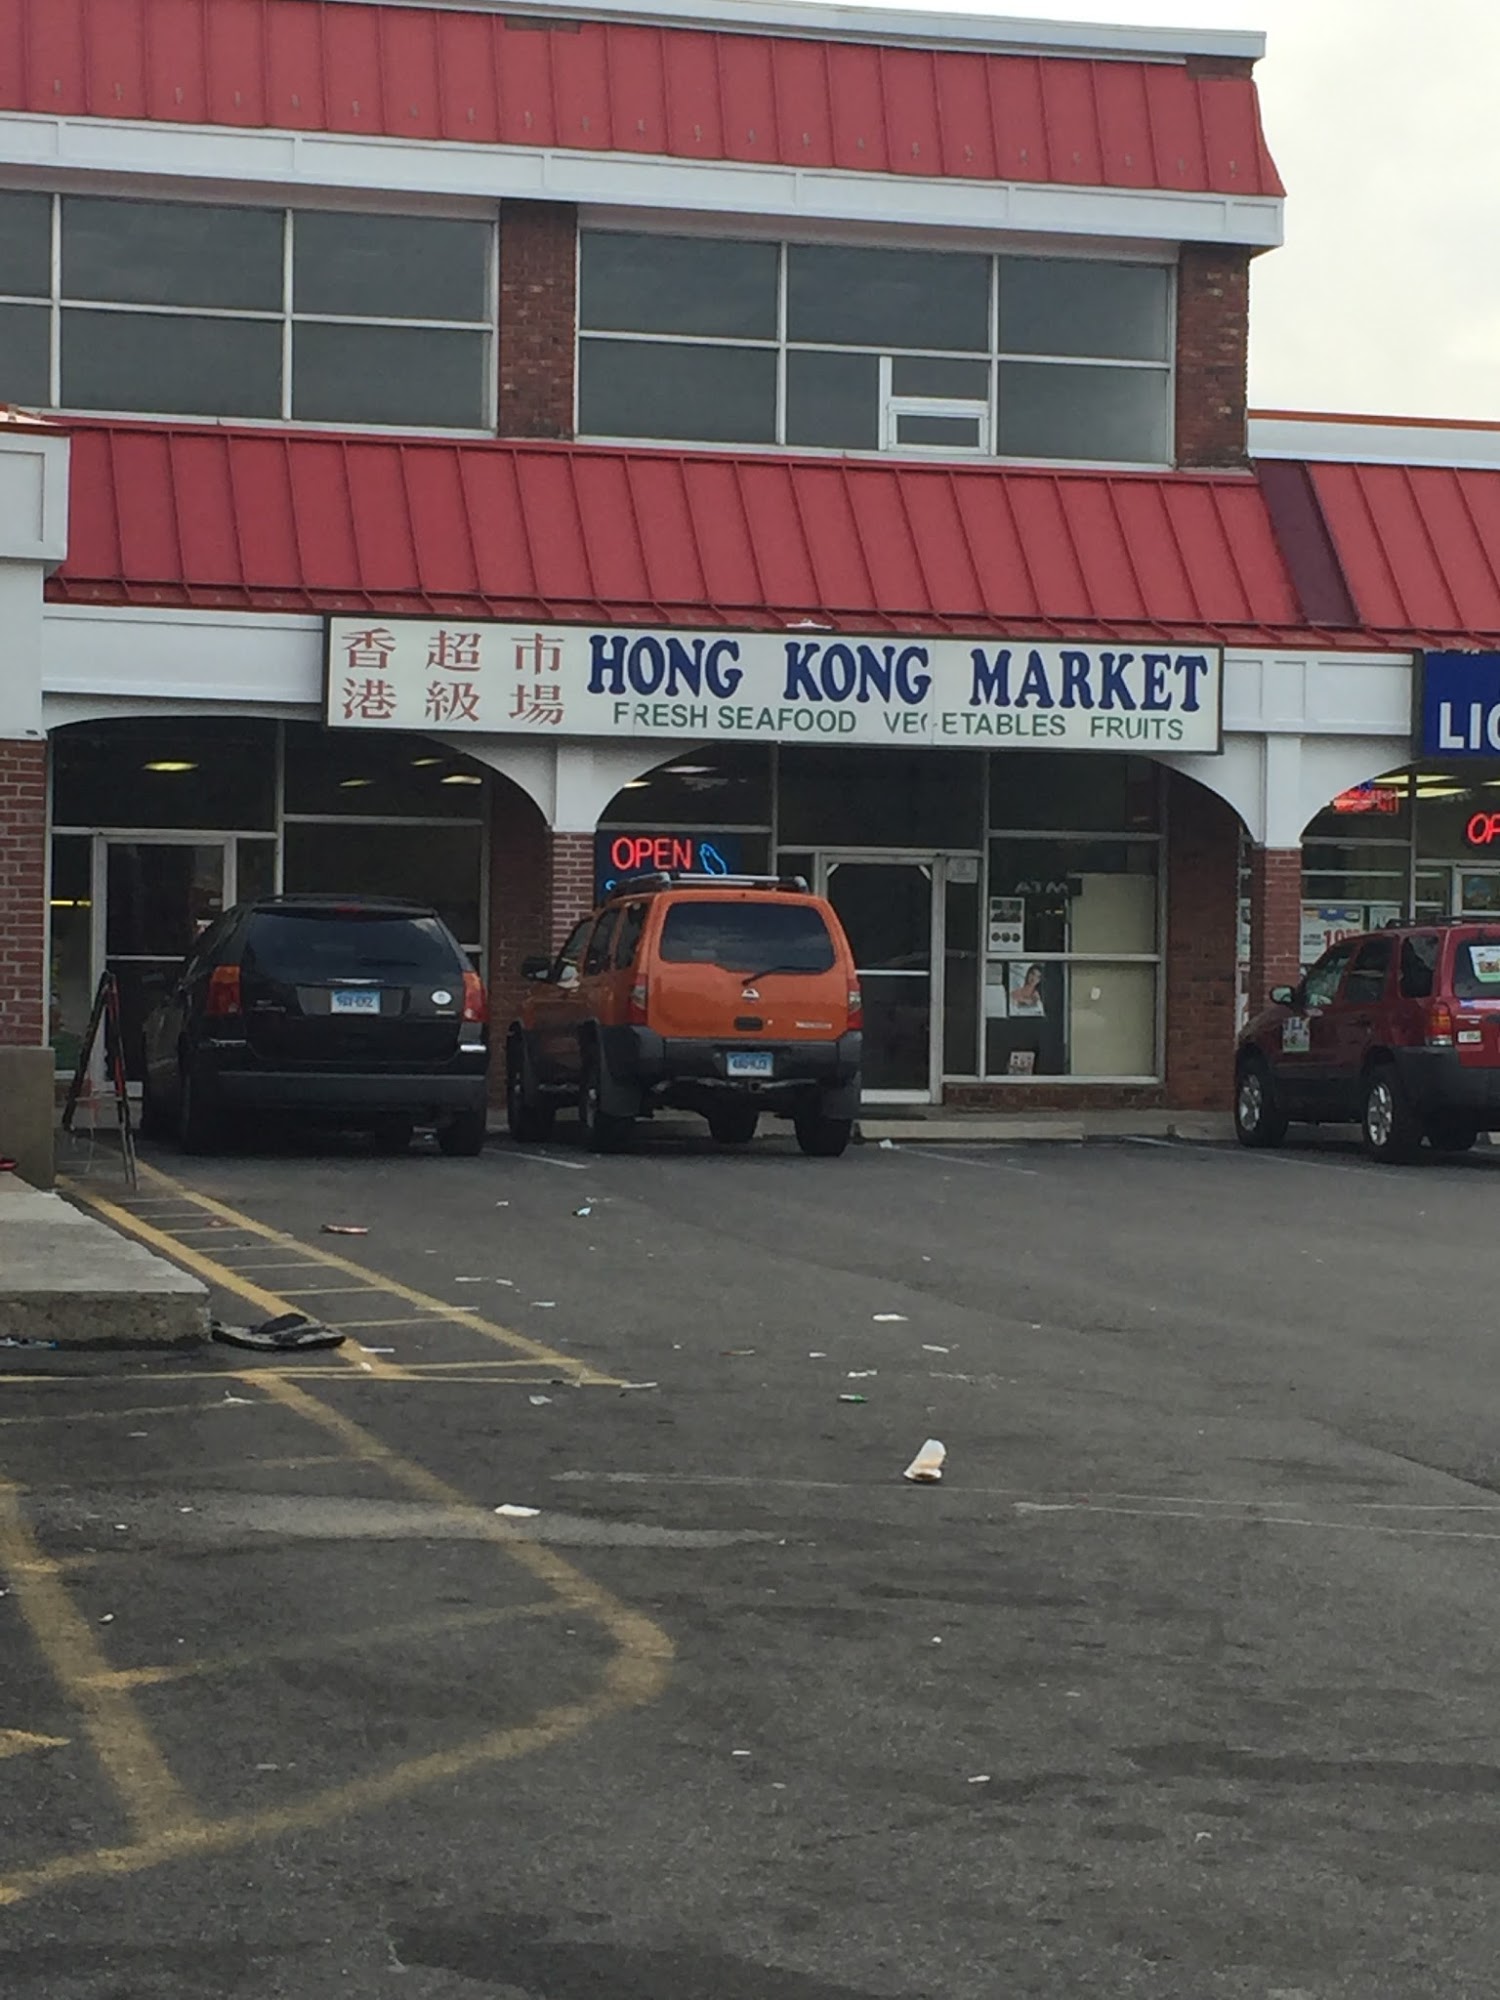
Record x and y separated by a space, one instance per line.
1438 1084
312 1091
642 1057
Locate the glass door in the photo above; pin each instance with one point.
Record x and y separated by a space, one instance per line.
159 894
887 907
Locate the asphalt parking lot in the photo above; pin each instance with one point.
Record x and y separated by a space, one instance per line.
1179 1685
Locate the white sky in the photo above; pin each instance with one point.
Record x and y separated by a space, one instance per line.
1383 117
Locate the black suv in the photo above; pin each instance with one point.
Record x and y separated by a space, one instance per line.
350 1010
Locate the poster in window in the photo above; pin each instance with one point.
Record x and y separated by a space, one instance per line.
1007 926
1025 991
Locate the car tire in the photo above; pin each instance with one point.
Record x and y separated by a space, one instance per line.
199 1129
733 1124
1259 1117
392 1137
1392 1130
529 1117
819 1136
462 1138
1451 1135
603 1131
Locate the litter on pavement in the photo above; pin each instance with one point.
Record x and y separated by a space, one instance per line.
933 1350
512 1513
536 1402
587 1209
926 1469
288 1332
638 1385
854 1399
861 1374
887 1145
344 1229
887 1319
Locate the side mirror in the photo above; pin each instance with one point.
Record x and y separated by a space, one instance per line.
1283 996
536 968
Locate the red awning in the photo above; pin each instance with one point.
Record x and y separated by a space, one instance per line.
688 93
216 517
1419 545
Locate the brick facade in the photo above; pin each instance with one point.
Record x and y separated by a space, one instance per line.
1203 888
1275 920
538 287
1213 341
23 893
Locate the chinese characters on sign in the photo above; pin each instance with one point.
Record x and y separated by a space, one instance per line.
776 687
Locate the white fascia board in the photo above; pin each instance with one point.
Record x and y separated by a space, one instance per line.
283 162
1355 442
894 27
257 661
1318 694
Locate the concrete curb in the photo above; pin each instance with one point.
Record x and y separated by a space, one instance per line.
65 1277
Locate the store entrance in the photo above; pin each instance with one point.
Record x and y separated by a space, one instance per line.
159 894
893 918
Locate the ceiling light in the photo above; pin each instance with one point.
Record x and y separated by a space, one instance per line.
354 784
172 764
690 770
424 763
461 778
635 785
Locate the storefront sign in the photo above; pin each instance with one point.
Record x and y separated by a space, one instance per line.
1459 709
1327 924
640 852
1370 798
1483 830
777 687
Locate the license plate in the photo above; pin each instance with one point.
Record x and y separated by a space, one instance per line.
354 1003
756 1062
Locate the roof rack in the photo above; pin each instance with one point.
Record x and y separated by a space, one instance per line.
662 878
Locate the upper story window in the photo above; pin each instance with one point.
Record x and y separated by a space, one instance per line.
860 349
191 309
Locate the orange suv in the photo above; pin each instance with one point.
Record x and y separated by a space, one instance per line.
726 995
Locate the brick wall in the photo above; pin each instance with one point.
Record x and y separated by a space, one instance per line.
538 286
572 881
1275 920
1213 332
1202 934
23 897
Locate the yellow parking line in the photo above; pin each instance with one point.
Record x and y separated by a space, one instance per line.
272 1304
428 1301
156 1803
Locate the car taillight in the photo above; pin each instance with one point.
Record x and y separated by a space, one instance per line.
1439 1025
856 1008
476 1007
635 1013
223 996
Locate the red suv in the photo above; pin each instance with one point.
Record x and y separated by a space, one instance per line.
1398 1029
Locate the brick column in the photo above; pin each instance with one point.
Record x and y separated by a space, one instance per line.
1213 335
541 883
23 900
538 317
1275 920
572 881
1203 856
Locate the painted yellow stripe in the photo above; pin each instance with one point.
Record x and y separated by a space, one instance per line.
16 1742
519 1343
272 1304
156 1803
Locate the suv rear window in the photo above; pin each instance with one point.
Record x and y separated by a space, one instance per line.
292 945
747 937
1476 969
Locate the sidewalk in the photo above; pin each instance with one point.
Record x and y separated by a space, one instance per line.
69 1279
923 1124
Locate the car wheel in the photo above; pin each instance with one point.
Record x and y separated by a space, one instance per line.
819 1136
529 1117
733 1124
1259 1118
392 1136
198 1128
1451 1135
603 1131
1392 1132
462 1138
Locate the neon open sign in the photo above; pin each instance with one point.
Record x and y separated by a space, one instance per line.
617 855
1483 829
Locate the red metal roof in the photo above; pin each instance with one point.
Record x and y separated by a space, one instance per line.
272 520
1419 546
690 93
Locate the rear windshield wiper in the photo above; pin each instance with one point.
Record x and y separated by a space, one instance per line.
752 976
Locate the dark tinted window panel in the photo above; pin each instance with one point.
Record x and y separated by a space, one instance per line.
929 375
377 776
652 389
1064 306
436 865
156 253
389 375
710 785
833 399
678 284
947 433
1081 412
887 298
25 347
26 245
224 775
1074 792
747 937
315 945
845 798
390 267
161 363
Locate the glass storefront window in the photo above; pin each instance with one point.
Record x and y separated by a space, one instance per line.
1073 791
172 773
366 774
70 983
880 798
442 866
1048 1017
713 784
1076 895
